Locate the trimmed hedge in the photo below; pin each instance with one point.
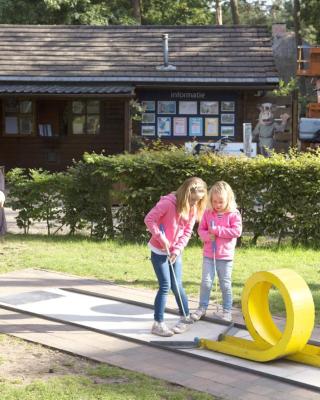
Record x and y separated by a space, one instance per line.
277 196
36 195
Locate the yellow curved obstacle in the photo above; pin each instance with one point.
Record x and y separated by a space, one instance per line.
269 343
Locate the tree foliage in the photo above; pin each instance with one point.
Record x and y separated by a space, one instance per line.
101 12
164 12
310 17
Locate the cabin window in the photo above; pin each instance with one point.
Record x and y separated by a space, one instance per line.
85 117
18 117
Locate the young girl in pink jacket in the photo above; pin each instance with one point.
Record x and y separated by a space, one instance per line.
219 229
171 223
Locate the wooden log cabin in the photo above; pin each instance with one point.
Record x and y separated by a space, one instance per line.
65 90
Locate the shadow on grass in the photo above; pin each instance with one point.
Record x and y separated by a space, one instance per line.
11 237
153 283
18 237
194 241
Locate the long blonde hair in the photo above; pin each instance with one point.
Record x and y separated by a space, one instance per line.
191 185
223 189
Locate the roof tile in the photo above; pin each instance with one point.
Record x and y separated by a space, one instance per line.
131 53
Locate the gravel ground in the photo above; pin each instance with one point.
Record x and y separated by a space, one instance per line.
36 228
22 362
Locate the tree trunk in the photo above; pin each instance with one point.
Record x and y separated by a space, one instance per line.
297 32
296 21
218 13
235 12
137 10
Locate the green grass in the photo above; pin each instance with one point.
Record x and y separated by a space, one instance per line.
129 264
102 383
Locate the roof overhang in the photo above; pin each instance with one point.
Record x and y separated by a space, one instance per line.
138 79
64 89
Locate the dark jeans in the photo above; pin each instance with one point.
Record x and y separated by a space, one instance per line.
166 282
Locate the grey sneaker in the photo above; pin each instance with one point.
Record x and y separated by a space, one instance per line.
225 315
182 325
198 314
161 329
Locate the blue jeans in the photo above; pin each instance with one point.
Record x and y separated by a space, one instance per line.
166 282
224 270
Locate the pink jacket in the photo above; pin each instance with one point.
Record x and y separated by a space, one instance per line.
226 229
177 229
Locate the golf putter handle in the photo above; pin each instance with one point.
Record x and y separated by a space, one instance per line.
223 334
213 243
163 232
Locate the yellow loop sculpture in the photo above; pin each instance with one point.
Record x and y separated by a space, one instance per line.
269 343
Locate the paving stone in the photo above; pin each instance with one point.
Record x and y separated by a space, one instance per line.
217 377
252 396
261 389
302 394
291 395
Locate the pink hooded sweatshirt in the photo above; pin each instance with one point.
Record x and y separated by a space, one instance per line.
177 229
226 229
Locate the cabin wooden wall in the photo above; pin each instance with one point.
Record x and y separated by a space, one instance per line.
58 151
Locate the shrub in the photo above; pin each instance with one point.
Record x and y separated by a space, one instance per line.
36 194
277 196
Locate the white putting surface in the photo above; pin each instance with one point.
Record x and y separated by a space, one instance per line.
135 322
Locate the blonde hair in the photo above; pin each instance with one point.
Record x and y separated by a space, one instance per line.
223 189
191 185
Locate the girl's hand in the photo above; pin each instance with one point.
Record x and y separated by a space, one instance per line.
173 258
212 237
166 243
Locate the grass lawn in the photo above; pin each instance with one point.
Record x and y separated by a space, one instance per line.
33 372
129 264
129 386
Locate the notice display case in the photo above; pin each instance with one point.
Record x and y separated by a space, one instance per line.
178 114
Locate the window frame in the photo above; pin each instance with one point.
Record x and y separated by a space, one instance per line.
19 115
72 115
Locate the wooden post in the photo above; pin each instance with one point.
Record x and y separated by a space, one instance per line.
295 116
2 178
318 89
127 126
244 107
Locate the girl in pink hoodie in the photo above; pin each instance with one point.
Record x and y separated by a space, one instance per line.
171 223
219 229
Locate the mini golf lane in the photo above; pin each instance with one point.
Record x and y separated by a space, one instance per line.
133 322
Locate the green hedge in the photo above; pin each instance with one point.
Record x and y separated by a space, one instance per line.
277 196
36 195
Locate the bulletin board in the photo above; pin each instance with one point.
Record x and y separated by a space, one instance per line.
188 114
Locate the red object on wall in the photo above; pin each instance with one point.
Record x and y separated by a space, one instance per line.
313 110
313 63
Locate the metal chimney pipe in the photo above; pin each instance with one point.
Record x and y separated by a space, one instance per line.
165 49
166 66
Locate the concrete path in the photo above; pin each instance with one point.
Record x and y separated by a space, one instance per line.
221 381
